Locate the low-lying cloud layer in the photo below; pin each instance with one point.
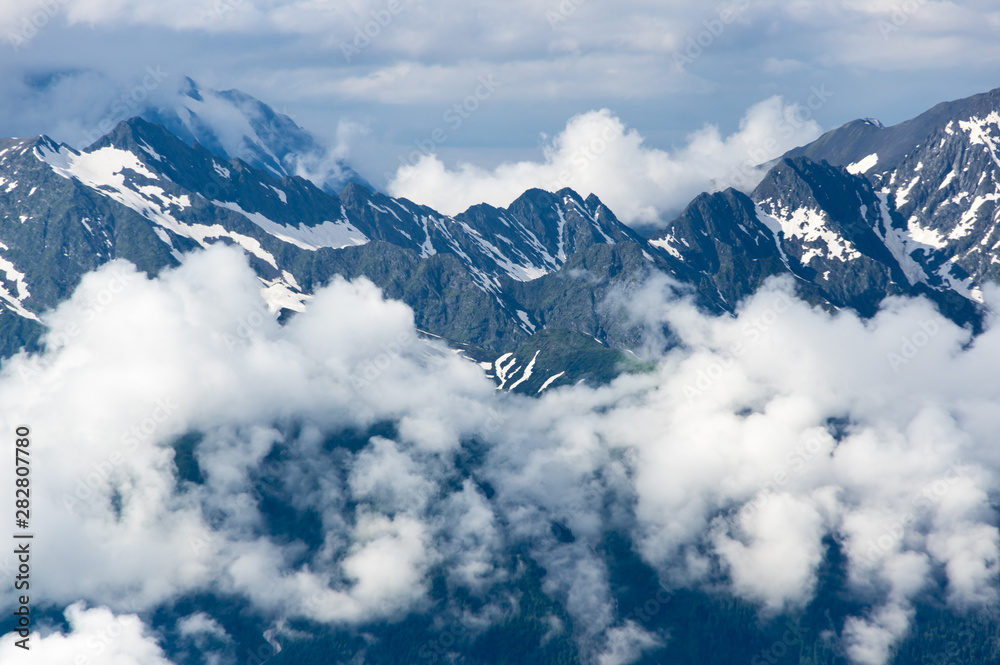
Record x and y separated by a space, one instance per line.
597 154
728 465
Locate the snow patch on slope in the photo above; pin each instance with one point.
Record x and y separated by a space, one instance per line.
522 273
968 220
527 372
335 235
11 275
666 243
549 381
812 228
278 296
863 165
979 133
899 242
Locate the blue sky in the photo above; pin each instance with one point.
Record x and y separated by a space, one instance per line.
663 69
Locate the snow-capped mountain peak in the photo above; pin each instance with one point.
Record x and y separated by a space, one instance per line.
233 124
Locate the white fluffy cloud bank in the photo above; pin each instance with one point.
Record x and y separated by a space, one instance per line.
598 154
753 442
96 636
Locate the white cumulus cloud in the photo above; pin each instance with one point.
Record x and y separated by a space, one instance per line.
96 635
596 153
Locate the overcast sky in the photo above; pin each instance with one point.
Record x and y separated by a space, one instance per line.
551 60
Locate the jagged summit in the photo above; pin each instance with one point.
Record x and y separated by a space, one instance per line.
233 124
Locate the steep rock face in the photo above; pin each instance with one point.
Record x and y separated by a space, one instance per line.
939 176
720 237
816 222
826 221
864 212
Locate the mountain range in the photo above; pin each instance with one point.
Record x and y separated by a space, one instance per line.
533 292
